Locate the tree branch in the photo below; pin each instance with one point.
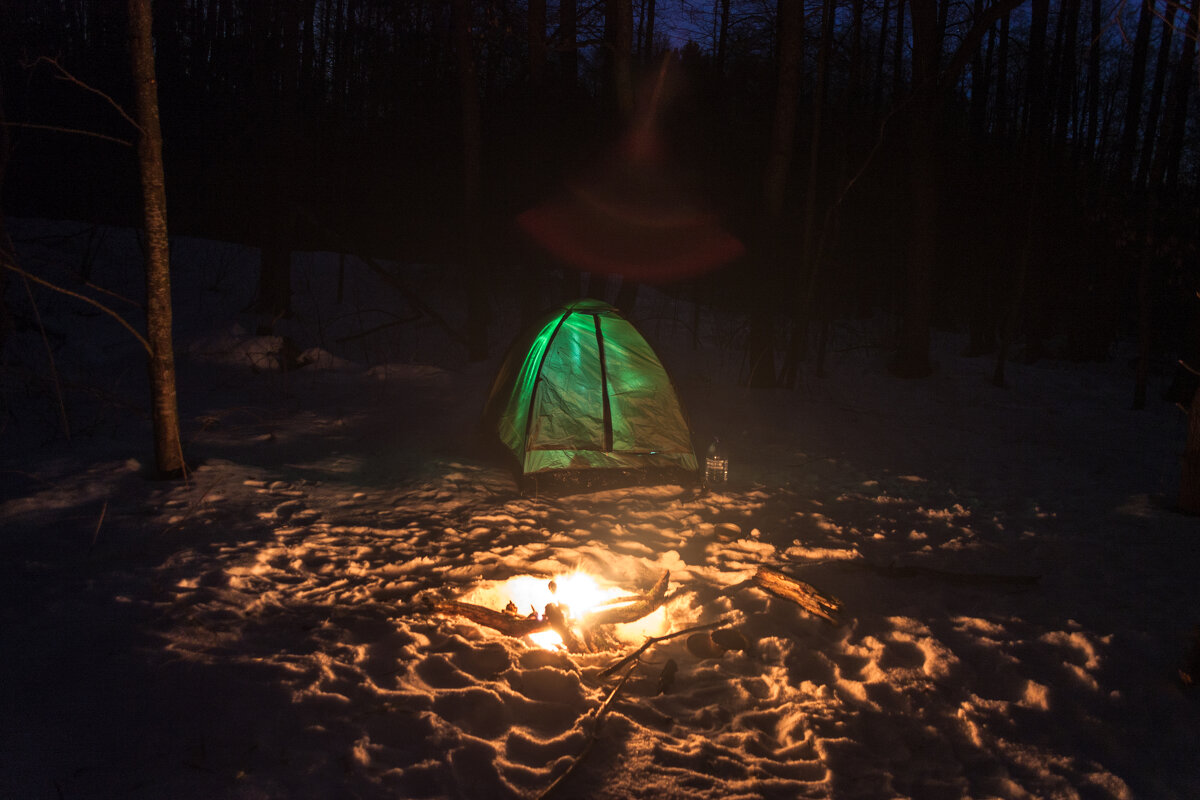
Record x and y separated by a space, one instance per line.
67 76
5 263
60 129
974 38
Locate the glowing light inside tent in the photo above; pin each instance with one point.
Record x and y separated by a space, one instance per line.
579 593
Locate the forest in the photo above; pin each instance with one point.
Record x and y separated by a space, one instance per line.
1026 173
903 292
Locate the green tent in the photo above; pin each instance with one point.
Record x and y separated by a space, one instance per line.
582 400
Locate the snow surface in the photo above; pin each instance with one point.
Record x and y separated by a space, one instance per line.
262 631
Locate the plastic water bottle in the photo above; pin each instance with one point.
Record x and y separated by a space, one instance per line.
716 464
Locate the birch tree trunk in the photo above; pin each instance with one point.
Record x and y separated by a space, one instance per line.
168 452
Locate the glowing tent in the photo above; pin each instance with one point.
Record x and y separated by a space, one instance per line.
582 400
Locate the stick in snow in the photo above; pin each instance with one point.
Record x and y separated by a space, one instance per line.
802 594
593 735
653 640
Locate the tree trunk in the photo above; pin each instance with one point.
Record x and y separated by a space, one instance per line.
722 38
537 43
1171 149
979 86
6 249
898 56
279 157
808 267
1133 103
1189 479
623 56
568 24
168 451
779 158
1092 92
1000 129
912 355
1156 94
1144 327
1033 157
648 22
472 149
877 96
1065 80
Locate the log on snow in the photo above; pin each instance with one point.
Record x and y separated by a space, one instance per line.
507 624
802 594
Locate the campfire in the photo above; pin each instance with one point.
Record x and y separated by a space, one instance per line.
583 614
574 611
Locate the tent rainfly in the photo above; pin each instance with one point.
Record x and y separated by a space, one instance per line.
582 400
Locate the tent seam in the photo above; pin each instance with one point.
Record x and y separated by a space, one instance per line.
607 404
537 380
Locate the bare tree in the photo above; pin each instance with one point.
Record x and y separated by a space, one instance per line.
168 451
472 149
1133 101
779 159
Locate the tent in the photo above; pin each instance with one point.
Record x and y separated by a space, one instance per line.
582 400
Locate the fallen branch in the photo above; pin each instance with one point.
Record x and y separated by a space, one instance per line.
802 594
509 625
593 735
653 640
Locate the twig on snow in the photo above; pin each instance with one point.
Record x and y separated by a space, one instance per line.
653 640
99 522
593 735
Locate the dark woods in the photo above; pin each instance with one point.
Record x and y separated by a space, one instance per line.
1022 172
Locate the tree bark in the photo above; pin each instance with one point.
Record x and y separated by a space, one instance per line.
807 273
898 55
911 359
760 343
1000 128
1176 113
1064 87
622 56
1133 102
168 451
537 42
1189 481
877 96
1092 92
472 149
1156 94
568 24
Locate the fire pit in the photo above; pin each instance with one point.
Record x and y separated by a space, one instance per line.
574 611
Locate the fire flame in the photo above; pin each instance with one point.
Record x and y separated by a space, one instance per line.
578 593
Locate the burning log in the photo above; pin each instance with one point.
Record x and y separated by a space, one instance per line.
641 606
508 624
588 634
802 594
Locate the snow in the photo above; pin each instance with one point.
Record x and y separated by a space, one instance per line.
263 630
